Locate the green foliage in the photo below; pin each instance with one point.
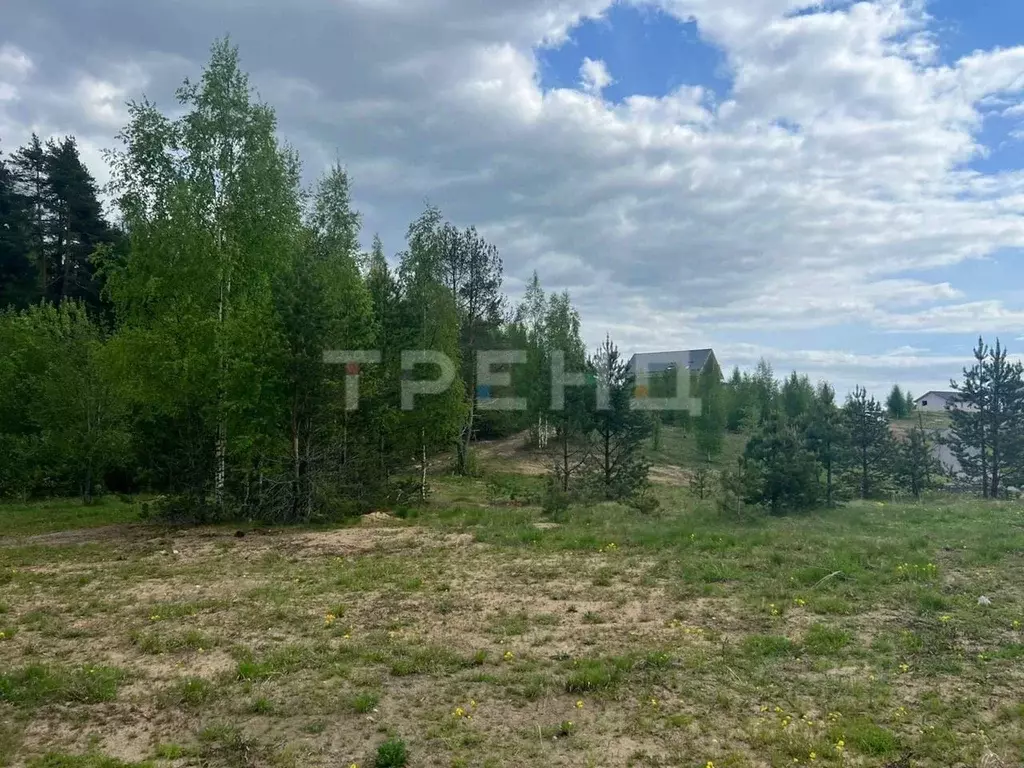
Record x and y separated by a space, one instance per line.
710 423
591 675
61 760
617 469
916 466
987 420
896 404
62 415
778 470
37 685
827 436
391 754
364 702
870 443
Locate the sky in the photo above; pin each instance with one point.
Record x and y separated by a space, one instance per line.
835 186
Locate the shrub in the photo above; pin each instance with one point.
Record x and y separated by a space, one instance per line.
391 754
555 501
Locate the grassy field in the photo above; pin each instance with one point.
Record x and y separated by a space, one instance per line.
678 447
479 633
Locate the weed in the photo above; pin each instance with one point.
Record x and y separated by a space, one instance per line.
364 702
391 754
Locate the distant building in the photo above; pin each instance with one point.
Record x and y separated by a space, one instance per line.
936 400
693 360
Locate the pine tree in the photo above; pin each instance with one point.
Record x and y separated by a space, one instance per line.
987 418
431 324
777 470
827 436
916 464
764 394
76 224
29 169
870 442
619 470
471 269
16 269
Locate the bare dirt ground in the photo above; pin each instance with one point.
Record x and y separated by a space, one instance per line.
503 639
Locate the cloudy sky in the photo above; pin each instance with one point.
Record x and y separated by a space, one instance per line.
837 186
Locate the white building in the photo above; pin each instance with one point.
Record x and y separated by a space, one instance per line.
935 400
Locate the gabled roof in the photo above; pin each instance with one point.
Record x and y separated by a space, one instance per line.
691 359
944 394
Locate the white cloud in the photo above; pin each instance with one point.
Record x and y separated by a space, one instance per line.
800 199
594 76
14 63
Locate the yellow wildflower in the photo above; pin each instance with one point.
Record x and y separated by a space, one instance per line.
813 755
509 656
579 704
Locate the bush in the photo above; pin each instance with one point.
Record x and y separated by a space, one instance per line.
555 501
516 491
391 754
644 502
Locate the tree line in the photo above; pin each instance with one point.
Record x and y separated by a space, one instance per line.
805 449
183 352
182 349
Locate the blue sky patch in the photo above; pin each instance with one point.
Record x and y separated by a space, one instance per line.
647 52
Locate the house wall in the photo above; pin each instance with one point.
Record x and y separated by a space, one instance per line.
934 403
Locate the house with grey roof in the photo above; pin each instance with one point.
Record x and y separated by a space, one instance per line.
936 400
696 361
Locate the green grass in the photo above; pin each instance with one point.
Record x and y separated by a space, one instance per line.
678 447
36 685
64 515
480 636
364 702
59 760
